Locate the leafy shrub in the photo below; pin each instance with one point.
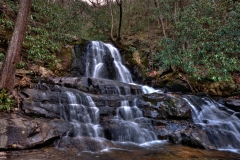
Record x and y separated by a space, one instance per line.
6 102
40 45
4 23
21 64
205 41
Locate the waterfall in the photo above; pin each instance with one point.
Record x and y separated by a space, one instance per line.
84 118
133 126
104 61
220 122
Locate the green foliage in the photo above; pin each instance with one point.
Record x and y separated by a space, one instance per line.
4 23
6 102
41 45
21 64
2 56
13 4
131 49
205 43
61 22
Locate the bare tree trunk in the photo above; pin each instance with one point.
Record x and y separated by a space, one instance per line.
119 2
15 46
162 24
160 19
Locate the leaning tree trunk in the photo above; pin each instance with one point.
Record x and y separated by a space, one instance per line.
14 49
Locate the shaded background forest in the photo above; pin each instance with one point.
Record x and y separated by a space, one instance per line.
199 39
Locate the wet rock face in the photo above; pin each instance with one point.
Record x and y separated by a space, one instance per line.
191 136
167 106
20 133
165 116
196 138
233 104
109 67
78 67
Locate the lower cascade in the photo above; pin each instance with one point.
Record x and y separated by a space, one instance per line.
101 108
85 119
133 126
221 123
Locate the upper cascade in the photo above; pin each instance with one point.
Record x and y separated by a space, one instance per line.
104 61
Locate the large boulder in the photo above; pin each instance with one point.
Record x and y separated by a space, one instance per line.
196 138
192 136
21 133
165 106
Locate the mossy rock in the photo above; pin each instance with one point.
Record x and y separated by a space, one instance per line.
173 83
219 88
65 56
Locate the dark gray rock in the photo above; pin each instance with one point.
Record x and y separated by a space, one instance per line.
178 108
151 113
178 86
162 132
175 137
107 111
167 105
20 133
233 104
196 138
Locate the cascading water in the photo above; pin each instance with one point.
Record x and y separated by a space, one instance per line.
104 61
100 111
85 118
149 90
133 126
220 123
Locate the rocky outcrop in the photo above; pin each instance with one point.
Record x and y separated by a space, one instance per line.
50 98
166 116
192 136
21 133
166 106
96 86
219 88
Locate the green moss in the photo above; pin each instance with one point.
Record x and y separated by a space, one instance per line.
152 101
171 103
